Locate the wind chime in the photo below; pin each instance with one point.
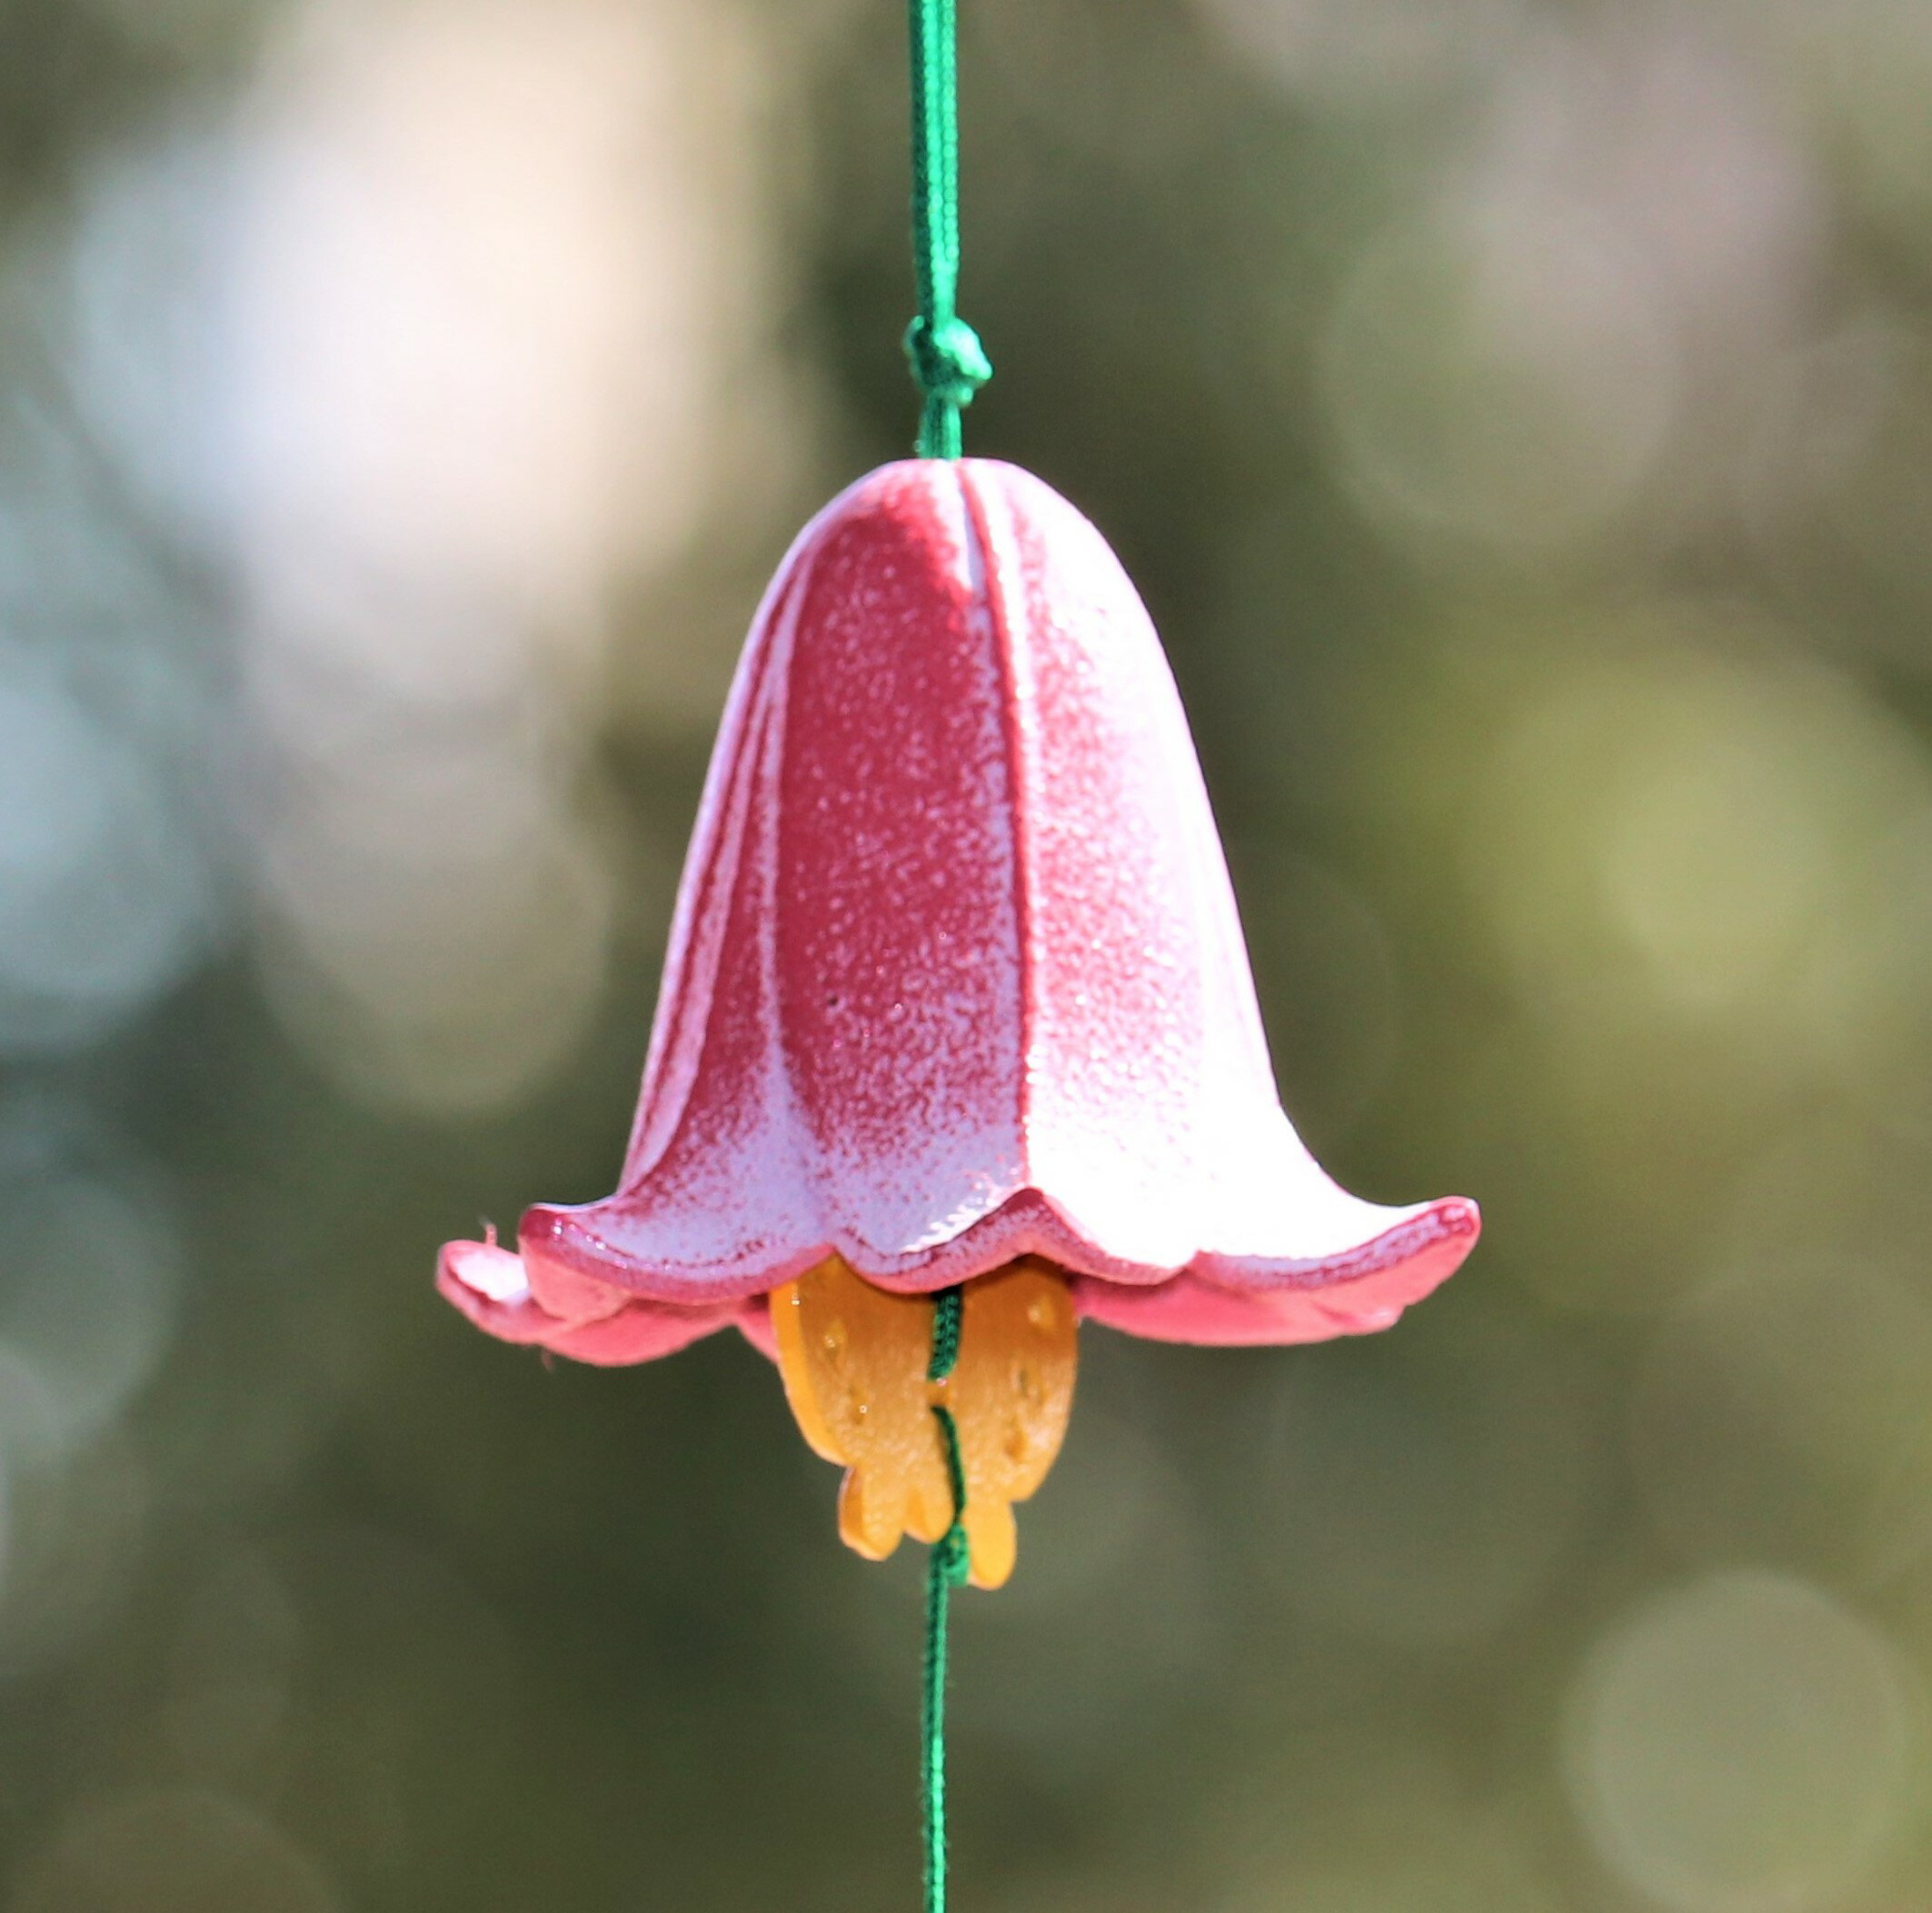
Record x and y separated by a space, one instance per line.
956 1045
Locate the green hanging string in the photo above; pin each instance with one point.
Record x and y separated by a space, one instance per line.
950 365
945 1571
948 360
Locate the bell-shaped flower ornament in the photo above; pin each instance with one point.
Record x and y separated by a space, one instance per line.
956 998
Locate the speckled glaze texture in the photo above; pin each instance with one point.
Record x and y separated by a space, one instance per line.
956 976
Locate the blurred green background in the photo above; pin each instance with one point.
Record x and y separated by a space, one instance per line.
1519 416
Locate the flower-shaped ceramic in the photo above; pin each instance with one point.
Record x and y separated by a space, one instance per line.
956 978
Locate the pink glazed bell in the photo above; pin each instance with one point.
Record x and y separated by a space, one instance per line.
956 994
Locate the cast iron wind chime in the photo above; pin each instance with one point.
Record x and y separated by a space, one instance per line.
956 1044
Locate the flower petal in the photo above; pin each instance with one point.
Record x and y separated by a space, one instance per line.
956 975
491 1287
1200 1307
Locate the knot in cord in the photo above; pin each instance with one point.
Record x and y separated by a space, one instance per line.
952 1558
947 361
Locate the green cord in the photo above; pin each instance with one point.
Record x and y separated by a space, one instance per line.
948 360
951 365
945 1571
